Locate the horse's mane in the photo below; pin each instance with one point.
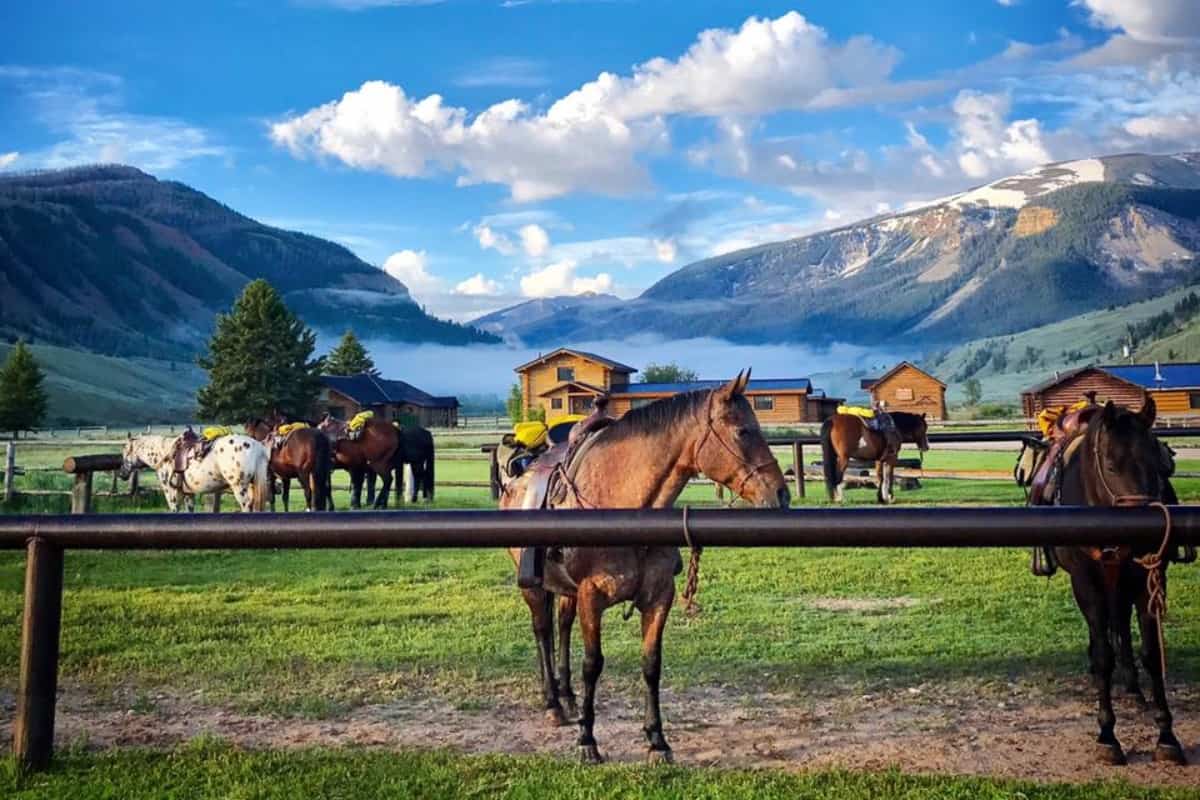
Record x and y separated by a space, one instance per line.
658 416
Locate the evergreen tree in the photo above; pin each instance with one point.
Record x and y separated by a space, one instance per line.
349 357
515 405
973 391
23 401
259 359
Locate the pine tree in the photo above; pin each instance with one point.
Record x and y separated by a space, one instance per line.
349 358
23 401
259 359
515 405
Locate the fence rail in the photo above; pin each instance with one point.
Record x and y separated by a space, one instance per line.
45 539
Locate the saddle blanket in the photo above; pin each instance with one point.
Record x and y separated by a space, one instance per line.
358 420
1049 416
216 432
857 411
284 430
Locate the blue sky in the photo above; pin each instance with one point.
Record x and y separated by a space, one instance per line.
487 151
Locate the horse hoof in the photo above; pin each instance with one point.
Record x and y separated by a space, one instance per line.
1110 754
1169 754
590 754
570 707
555 717
659 756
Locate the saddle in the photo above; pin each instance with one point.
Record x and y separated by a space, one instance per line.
551 480
188 447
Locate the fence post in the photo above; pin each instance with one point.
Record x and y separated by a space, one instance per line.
10 471
113 491
798 466
81 493
33 729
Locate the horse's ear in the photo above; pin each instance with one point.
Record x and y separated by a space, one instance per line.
1110 411
745 380
1149 411
924 415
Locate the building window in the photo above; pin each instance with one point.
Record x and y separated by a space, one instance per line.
764 402
556 403
337 412
904 393
638 402
582 405
1194 400
566 373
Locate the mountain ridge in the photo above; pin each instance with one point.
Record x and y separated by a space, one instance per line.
112 259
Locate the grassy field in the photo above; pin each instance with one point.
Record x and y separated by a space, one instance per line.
209 770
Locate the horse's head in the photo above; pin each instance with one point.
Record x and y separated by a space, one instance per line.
731 449
913 428
258 428
1130 466
131 459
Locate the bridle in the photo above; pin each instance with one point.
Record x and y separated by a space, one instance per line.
750 470
1118 500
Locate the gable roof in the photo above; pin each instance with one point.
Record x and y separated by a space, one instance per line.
867 383
367 390
1059 377
587 387
615 366
764 385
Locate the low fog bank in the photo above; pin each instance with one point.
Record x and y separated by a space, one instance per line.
488 369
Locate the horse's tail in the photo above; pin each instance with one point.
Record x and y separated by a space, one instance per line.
261 492
428 487
829 459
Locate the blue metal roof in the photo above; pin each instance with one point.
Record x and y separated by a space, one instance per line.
367 390
765 385
1174 376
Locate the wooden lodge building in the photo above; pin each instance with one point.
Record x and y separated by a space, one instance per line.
343 396
907 387
568 381
1174 387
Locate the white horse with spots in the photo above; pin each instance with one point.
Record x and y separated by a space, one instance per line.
235 463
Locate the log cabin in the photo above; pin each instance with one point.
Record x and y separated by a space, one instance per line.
907 387
1174 387
343 396
568 381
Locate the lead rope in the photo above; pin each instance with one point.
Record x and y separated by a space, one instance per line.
692 587
1156 585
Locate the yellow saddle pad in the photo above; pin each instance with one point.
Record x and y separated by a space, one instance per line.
1049 416
360 419
857 411
216 432
530 434
284 430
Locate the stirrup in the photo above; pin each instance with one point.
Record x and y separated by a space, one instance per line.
1043 563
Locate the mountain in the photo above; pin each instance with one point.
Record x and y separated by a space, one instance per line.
113 260
1025 251
546 319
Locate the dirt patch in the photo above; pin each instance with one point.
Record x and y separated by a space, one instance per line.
1013 731
1032 220
861 604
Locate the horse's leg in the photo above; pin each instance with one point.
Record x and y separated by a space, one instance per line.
1093 602
369 474
385 475
654 619
416 480
591 606
880 490
843 463
304 478
566 621
1123 645
356 485
287 491
1168 748
541 608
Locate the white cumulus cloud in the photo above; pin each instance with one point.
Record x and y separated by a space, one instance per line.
7 159
490 239
409 267
559 279
1154 21
988 144
534 240
478 286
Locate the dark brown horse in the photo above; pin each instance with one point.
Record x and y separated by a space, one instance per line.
371 452
846 436
643 460
416 450
1119 463
303 454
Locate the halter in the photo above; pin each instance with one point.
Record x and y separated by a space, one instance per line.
1118 500
710 429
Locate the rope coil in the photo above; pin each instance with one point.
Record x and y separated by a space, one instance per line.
1155 565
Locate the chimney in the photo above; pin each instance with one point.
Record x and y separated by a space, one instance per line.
1158 378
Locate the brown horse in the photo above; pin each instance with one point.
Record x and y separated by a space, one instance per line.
643 460
303 454
846 436
371 452
1120 463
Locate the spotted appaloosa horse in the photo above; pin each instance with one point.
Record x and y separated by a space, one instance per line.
642 460
235 463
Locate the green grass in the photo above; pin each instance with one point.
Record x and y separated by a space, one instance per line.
208 769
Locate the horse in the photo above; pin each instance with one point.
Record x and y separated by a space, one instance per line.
237 463
847 436
642 460
1120 463
303 454
416 450
372 452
